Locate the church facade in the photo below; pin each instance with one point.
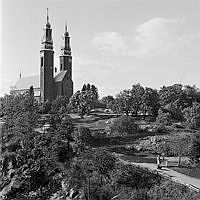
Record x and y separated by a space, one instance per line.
50 83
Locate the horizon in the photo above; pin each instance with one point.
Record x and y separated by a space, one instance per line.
158 43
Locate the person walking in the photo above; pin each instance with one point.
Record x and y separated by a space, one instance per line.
158 162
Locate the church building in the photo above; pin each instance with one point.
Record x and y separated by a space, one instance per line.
48 86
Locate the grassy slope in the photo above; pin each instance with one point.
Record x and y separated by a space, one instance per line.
99 122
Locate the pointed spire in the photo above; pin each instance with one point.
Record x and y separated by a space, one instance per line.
65 25
20 74
66 31
48 23
47 15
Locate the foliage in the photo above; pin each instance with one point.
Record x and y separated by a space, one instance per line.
45 107
132 176
151 102
60 105
108 101
85 100
124 125
124 102
192 115
170 191
195 148
163 119
82 135
137 94
170 94
32 161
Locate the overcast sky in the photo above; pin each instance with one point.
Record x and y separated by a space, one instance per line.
115 44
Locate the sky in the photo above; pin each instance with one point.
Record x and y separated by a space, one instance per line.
115 43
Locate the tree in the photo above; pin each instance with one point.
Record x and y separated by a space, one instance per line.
195 148
137 93
108 101
170 94
163 119
124 125
179 147
151 102
85 100
123 102
192 115
191 94
59 105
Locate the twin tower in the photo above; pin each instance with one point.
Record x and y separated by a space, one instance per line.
61 84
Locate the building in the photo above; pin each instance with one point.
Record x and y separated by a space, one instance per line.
46 85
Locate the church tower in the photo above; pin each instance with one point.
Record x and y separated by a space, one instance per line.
65 57
63 80
46 64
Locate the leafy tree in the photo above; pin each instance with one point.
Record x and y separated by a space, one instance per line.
59 105
179 147
108 101
85 100
192 115
170 94
151 102
124 125
191 94
195 148
137 93
123 102
131 100
175 110
163 119
84 88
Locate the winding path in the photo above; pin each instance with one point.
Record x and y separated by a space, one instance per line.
193 183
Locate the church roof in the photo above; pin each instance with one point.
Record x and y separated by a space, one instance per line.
27 82
59 77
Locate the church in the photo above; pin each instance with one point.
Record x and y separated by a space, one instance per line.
50 83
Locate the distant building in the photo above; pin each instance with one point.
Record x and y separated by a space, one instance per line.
46 85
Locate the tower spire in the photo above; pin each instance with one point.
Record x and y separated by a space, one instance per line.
47 15
48 25
65 26
20 74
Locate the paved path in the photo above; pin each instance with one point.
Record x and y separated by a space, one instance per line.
194 183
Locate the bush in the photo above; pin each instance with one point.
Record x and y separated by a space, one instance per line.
124 125
83 135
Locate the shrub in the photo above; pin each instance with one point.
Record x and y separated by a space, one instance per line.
124 125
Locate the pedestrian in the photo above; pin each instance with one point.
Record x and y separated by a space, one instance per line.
158 162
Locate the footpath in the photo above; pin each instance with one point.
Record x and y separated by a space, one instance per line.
193 183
